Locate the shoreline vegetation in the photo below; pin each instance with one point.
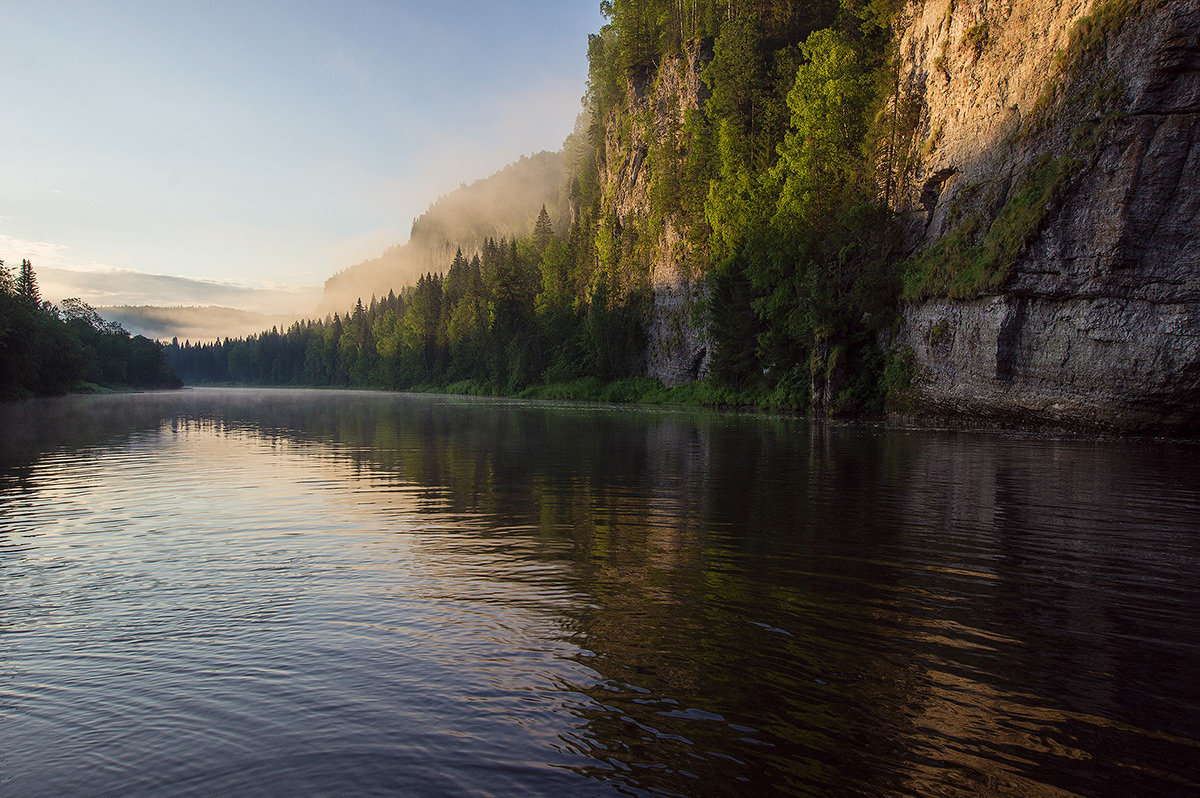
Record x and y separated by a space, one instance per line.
769 189
646 391
48 350
768 192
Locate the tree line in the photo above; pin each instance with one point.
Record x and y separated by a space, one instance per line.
46 349
778 185
508 317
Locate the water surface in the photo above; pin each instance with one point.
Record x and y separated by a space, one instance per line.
320 592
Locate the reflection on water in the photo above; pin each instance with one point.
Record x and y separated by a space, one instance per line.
223 591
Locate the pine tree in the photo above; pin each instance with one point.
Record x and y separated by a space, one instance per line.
27 287
543 231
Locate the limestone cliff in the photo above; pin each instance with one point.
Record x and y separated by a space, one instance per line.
653 120
1049 200
1095 318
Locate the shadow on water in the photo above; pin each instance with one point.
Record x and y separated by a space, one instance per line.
767 605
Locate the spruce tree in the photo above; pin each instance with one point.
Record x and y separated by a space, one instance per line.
543 231
27 287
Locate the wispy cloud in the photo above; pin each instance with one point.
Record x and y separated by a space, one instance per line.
61 274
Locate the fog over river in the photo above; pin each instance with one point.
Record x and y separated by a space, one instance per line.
225 591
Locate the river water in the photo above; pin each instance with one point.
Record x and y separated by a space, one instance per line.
339 593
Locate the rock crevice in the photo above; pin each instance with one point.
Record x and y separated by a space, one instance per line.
1098 322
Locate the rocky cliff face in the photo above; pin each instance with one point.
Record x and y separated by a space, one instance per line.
1097 320
677 349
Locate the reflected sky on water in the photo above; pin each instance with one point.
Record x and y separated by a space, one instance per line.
290 592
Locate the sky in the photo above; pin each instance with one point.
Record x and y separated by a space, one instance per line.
256 146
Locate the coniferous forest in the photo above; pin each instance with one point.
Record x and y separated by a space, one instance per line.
47 350
500 322
777 188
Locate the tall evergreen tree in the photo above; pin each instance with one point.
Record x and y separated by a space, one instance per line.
543 231
27 287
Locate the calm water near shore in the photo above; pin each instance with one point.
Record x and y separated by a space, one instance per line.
240 592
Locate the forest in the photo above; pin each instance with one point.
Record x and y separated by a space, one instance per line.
47 350
501 321
777 186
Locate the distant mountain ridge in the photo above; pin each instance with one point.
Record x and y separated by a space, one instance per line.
192 323
504 204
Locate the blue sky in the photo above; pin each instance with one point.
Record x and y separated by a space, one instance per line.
265 144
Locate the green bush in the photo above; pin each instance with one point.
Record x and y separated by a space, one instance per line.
960 265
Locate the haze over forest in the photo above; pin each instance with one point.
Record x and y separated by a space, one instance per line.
505 204
791 205
238 157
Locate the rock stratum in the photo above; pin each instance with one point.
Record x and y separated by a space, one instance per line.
1097 322
1079 123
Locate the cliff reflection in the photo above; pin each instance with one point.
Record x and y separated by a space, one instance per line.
766 605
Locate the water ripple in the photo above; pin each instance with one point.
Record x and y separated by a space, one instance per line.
323 592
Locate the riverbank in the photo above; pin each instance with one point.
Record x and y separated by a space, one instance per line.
86 389
648 391
628 390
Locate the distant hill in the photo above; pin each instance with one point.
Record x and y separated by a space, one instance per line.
504 204
196 323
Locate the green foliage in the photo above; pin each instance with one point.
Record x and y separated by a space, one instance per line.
977 37
733 326
970 261
740 199
508 318
636 23
769 185
873 16
738 75
831 102
27 288
543 231
804 280
44 350
605 86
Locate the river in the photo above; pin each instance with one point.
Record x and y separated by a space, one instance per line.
224 591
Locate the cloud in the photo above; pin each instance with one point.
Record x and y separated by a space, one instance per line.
202 323
122 287
40 253
61 274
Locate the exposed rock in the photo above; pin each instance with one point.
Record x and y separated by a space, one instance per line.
677 350
1122 364
1095 319
1098 323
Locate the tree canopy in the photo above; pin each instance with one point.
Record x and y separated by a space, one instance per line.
48 350
767 195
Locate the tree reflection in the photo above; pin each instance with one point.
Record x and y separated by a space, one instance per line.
768 605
